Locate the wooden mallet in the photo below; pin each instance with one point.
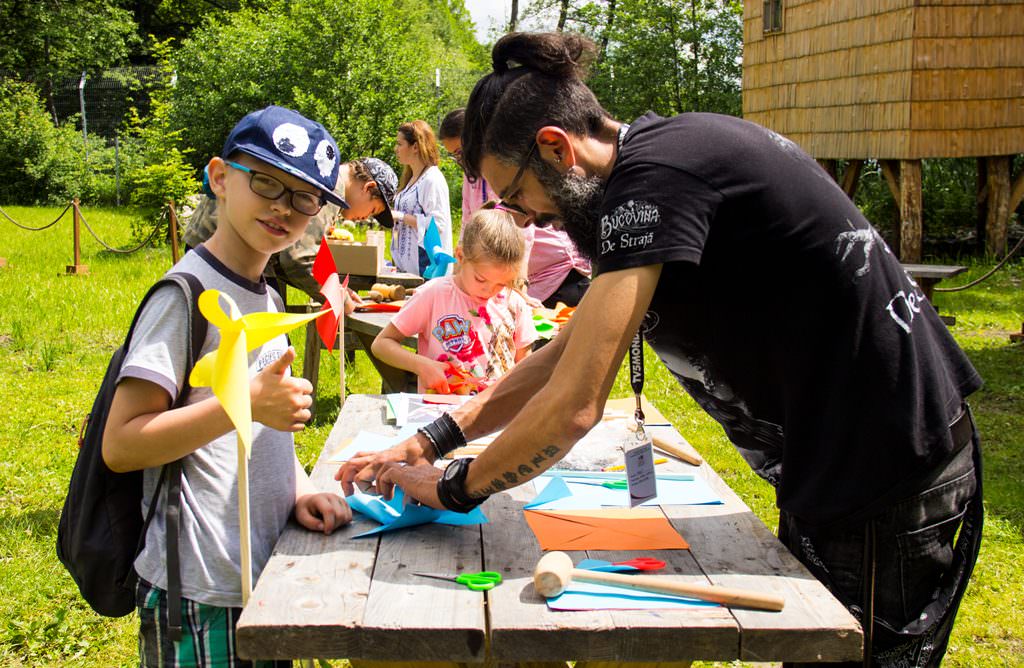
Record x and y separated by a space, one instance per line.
555 571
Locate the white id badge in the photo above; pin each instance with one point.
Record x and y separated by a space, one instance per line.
643 483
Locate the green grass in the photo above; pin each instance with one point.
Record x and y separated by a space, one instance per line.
57 333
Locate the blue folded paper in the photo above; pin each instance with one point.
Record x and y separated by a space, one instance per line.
396 514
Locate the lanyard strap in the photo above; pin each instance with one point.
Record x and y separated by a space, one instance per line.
636 375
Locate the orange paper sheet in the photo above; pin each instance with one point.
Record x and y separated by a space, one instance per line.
606 529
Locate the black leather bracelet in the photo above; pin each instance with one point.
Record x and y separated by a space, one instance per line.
451 488
430 439
445 434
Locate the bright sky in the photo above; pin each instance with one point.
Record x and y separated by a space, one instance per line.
489 13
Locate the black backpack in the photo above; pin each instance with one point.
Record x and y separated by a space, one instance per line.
101 529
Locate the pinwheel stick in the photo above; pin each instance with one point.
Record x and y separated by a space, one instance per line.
245 542
341 349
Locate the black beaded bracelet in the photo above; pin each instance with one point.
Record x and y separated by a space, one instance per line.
444 434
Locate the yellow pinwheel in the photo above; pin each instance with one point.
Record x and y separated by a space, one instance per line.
226 370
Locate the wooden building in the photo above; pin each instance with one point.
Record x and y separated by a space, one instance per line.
896 81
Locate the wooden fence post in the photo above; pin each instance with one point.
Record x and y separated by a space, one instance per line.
172 221
77 268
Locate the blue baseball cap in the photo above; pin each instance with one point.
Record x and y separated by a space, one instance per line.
286 139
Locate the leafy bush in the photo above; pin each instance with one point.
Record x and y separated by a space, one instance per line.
47 164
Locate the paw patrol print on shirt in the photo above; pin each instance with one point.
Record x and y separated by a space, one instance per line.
453 333
630 225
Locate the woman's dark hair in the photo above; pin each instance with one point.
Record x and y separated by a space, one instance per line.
451 125
537 81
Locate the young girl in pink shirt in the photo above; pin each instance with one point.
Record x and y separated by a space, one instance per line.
472 326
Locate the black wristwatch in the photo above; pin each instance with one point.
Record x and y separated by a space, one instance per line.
451 487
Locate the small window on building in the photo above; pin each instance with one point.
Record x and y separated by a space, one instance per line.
773 15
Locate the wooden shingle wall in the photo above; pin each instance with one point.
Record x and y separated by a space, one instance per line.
889 79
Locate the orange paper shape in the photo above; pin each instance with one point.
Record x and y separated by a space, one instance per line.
605 529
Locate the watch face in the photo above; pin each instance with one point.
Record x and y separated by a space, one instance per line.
452 470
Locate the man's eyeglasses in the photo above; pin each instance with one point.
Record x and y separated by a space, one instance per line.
268 187
513 187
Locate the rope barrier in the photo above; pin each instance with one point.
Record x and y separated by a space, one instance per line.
122 251
36 229
991 271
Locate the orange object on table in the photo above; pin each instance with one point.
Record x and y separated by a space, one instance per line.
605 529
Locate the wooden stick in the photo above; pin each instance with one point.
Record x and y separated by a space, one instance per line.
341 348
676 451
554 573
244 539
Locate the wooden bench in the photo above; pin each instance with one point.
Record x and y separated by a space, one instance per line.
928 275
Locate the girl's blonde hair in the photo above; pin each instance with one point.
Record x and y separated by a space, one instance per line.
419 133
490 235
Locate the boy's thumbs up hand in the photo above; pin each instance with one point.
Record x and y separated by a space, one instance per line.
279 400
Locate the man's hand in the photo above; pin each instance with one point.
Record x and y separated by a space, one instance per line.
281 401
366 466
418 482
322 511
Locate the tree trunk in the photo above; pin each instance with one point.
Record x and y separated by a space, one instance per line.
563 14
694 87
998 205
910 211
607 28
513 18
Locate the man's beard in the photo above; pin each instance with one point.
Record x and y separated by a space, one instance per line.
578 198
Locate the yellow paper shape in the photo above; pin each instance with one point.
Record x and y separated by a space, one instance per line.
226 370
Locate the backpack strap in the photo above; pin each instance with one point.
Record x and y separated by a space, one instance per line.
197 325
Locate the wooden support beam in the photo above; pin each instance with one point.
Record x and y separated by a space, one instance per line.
998 214
851 177
831 168
891 172
1016 192
910 210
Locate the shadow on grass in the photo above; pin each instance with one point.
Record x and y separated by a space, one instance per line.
39 523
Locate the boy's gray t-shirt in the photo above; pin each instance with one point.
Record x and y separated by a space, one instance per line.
209 540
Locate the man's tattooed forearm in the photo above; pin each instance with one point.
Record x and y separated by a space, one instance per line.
513 478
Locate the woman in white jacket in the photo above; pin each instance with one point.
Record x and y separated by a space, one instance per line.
422 196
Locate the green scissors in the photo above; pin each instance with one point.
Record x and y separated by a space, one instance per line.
610 484
482 581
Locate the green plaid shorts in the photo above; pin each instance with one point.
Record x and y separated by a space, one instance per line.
207 634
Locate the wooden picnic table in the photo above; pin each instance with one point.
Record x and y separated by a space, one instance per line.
361 282
339 597
365 327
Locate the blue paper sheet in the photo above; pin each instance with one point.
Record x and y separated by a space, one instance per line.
592 596
395 514
565 495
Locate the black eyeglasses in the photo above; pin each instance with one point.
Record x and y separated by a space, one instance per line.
268 187
513 187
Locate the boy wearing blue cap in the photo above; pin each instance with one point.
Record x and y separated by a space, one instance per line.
276 171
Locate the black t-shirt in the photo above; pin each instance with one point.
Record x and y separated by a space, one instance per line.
783 313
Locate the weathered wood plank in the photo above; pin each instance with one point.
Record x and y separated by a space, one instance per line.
735 549
313 591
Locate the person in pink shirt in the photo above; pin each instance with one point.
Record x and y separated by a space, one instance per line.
472 326
555 270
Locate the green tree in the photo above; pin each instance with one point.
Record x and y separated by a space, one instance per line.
668 56
45 41
361 67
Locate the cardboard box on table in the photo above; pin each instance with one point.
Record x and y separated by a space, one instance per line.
353 257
